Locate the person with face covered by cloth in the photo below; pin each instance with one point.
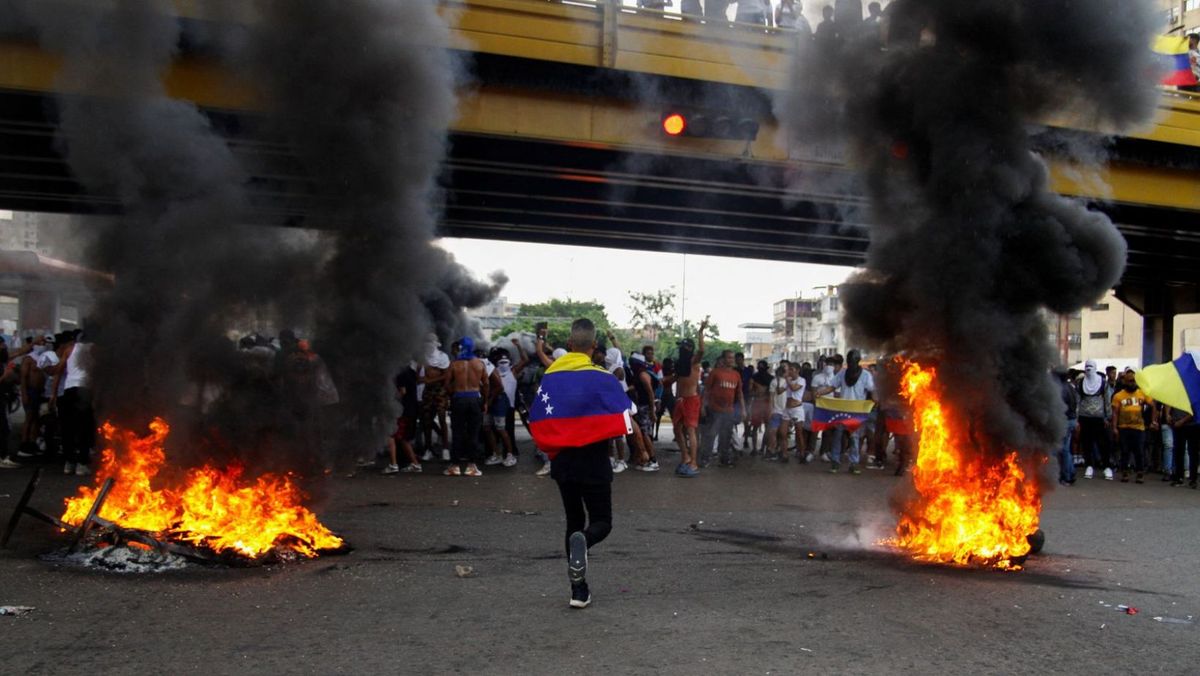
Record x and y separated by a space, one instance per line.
853 383
468 387
823 385
578 409
434 400
1093 410
1129 406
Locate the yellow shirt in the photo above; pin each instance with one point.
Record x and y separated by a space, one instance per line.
1128 408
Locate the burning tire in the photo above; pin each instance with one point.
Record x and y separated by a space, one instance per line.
1036 541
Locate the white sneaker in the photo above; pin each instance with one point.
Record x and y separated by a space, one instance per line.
9 463
621 466
510 460
363 462
652 466
543 471
1088 473
82 470
445 455
1108 474
808 458
411 469
391 469
493 460
825 458
69 468
428 456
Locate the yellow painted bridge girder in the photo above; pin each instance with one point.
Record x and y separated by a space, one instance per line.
600 34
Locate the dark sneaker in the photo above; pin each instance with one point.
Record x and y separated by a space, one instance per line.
1138 479
855 470
1124 477
580 596
835 469
577 559
1176 483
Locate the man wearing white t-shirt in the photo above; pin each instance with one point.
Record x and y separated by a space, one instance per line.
853 383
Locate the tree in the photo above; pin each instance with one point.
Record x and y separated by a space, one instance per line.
558 313
653 313
568 310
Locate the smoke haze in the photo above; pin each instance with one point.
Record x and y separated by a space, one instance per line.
967 241
362 91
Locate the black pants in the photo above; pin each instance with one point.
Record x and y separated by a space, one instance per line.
1094 442
510 428
466 421
5 431
78 424
588 508
1131 448
1187 440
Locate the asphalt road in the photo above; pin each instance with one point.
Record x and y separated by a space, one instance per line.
762 569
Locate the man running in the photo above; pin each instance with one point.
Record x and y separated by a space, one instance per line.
578 409
468 392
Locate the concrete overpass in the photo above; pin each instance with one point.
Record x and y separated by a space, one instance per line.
558 141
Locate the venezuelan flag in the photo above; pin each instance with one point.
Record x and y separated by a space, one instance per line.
1176 384
848 413
1172 51
577 404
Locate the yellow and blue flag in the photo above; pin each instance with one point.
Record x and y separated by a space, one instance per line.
1172 52
832 412
1176 384
578 404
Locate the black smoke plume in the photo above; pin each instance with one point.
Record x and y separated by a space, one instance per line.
363 92
968 244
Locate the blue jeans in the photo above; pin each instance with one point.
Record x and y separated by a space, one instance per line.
1168 450
719 429
835 452
1066 460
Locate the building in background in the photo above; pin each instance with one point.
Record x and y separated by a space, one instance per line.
759 342
39 293
1181 15
808 327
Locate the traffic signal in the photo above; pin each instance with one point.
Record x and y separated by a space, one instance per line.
702 123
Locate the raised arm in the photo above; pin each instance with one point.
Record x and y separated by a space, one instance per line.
524 358
700 340
612 338
540 350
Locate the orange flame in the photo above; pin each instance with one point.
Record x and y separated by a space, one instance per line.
971 509
214 508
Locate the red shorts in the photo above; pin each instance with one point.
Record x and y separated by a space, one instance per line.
760 411
405 429
687 411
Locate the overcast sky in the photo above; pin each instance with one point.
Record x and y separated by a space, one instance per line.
733 291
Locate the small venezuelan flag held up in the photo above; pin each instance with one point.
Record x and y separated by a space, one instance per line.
1176 384
831 412
577 404
1172 51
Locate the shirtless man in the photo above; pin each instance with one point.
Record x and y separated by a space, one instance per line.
468 391
687 404
434 400
33 385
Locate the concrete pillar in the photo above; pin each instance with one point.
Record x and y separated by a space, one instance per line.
1158 327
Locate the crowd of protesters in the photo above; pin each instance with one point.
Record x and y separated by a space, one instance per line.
47 377
1114 427
461 409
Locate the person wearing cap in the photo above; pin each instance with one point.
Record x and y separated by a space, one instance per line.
468 380
686 414
434 402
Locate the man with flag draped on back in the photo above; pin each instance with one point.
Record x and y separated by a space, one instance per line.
574 413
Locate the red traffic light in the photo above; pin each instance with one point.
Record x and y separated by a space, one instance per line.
674 124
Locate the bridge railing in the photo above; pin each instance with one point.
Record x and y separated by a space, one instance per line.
606 34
